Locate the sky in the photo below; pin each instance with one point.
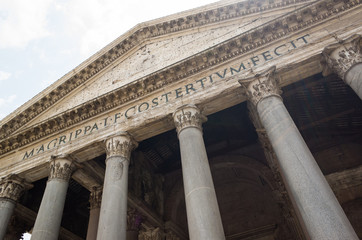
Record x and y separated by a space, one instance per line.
42 40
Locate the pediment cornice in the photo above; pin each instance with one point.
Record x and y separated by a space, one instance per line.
247 42
129 41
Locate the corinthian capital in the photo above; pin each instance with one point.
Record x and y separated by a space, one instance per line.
261 86
12 187
340 57
61 167
188 116
120 145
95 198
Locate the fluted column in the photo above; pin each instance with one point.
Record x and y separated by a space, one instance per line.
345 59
113 216
48 220
11 188
313 198
203 215
95 199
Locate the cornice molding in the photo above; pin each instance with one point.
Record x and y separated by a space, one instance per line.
247 42
138 36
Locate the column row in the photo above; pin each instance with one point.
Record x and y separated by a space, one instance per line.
313 199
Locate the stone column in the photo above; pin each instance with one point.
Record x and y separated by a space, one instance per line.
203 215
279 191
134 220
48 220
345 59
11 188
113 216
95 199
309 191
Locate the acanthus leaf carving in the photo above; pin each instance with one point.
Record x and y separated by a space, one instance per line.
61 168
261 86
12 186
95 198
188 116
120 145
342 56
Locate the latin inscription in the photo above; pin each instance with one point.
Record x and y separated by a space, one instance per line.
197 85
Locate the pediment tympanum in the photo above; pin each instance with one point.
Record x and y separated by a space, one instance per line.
145 49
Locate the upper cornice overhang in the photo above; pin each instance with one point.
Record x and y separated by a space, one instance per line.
210 14
298 20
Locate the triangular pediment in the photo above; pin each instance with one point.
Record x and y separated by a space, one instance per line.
160 54
147 48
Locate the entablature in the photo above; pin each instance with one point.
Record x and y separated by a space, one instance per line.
253 50
124 44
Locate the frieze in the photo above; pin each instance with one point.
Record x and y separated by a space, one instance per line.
114 99
211 16
274 30
220 53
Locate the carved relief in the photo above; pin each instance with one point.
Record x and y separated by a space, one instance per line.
150 234
61 168
95 198
188 116
134 219
12 187
121 145
261 86
342 56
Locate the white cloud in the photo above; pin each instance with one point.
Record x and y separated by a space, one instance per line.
5 103
22 21
4 75
94 23
7 100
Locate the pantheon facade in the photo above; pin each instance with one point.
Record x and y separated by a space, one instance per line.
236 120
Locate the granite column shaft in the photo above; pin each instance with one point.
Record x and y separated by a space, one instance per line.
113 215
11 188
94 212
203 215
48 220
313 198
